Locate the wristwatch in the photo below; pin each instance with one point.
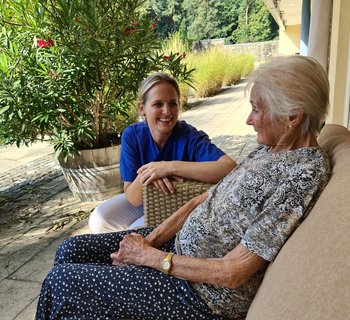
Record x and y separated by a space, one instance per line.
166 263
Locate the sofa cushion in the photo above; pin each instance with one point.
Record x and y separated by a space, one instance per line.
309 278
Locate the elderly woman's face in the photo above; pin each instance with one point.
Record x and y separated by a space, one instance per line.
268 132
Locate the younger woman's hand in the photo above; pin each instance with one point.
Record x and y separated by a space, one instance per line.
164 185
153 171
157 173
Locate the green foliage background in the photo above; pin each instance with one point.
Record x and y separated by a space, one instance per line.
80 90
238 21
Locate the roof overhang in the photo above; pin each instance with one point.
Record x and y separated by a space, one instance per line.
285 12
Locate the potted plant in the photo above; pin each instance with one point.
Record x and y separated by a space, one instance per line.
69 73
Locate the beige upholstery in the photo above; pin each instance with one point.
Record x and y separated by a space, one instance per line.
310 277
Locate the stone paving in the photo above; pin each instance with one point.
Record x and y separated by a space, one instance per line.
38 211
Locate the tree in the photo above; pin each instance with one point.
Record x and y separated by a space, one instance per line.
255 23
202 18
227 18
235 20
167 14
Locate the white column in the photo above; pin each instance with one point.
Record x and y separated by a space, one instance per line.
319 31
305 27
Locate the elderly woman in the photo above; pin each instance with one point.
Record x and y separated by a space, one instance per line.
207 260
156 150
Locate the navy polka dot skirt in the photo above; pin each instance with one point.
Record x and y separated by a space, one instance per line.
83 284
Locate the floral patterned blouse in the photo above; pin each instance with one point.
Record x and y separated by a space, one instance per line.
259 205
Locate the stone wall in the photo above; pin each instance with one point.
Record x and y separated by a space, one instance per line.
262 50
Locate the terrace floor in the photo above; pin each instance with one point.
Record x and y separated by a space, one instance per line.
38 211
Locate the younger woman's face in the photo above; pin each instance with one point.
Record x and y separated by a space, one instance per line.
161 110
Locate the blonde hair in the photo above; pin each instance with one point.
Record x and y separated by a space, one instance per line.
153 79
290 83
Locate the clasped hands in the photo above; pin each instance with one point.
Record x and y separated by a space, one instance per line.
132 250
159 174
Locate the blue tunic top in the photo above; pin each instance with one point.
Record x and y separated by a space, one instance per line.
185 143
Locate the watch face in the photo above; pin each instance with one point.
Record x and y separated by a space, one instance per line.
166 265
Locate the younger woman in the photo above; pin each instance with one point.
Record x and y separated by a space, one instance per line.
157 150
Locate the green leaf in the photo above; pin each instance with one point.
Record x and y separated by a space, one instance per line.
4 64
42 66
4 109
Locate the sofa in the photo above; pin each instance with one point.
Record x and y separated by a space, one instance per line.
310 277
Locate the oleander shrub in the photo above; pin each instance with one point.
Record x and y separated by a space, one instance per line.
70 70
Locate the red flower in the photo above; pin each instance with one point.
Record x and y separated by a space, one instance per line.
153 26
166 57
49 42
129 30
184 55
45 44
42 43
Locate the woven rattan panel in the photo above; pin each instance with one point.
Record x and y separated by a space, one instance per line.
158 206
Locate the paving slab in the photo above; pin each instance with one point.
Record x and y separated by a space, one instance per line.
29 312
16 296
12 157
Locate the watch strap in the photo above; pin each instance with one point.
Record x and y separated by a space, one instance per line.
167 261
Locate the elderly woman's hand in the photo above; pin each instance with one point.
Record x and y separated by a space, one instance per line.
132 250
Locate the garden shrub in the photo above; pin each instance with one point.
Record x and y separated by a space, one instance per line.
209 73
176 45
218 67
